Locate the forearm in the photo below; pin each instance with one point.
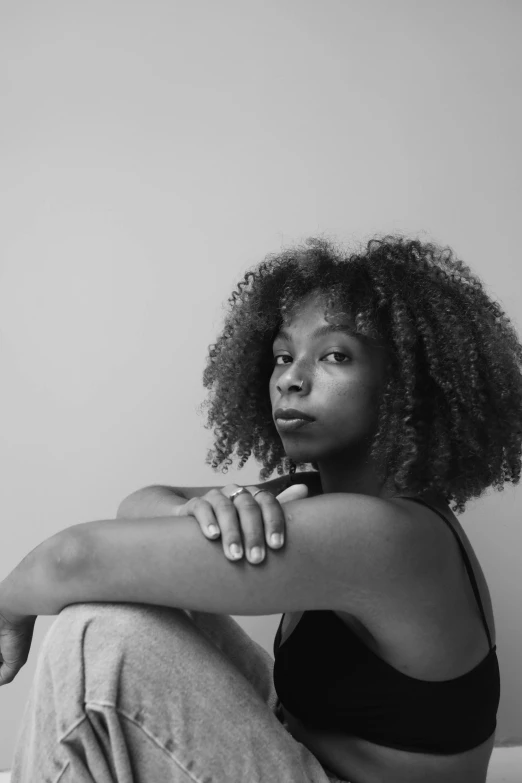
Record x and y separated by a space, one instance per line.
40 583
113 560
34 586
153 501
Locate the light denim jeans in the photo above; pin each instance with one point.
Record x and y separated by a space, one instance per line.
133 693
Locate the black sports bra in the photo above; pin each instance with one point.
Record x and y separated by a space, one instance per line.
329 679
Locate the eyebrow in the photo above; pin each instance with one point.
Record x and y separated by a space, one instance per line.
321 331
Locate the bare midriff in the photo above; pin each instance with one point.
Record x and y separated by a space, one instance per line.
359 761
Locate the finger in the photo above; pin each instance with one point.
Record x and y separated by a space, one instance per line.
15 645
274 516
209 523
216 513
252 524
273 519
203 513
8 673
208 519
229 521
214 510
295 492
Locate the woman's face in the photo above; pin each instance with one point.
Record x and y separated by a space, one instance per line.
341 377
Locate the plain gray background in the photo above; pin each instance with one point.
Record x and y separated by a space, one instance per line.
151 152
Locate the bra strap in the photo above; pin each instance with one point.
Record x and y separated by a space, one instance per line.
467 563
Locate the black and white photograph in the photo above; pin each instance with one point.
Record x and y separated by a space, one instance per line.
261 398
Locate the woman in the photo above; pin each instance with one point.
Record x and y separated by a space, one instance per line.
397 380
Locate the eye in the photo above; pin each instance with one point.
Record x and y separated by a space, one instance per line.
332 353
338 353
280 356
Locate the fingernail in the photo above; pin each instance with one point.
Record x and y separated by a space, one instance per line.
236 551
212 530
256 554
276 539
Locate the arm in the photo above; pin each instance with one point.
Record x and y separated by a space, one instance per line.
30 589
343 550
252 525
157 500
153 501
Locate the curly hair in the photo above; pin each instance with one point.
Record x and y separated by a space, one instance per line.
450 411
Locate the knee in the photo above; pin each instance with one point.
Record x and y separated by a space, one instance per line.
105 625
92 652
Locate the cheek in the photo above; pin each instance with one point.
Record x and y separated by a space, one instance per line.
357 399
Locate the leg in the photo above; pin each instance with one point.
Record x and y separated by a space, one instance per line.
129 693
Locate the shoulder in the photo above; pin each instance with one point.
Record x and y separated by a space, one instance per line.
430 539
396 522
390 539
346 551
371 544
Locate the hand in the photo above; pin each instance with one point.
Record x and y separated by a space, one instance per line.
16 635
245 521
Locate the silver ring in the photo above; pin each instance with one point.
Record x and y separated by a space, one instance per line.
238 492
260 490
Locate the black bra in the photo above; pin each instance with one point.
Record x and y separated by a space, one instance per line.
329 679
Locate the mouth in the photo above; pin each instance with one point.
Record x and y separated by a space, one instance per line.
289 425
292 413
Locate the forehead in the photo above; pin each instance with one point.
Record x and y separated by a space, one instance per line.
321 331
311 314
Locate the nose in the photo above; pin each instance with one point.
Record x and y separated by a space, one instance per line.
290 382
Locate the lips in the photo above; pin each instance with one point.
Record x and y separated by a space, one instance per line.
292 413
289 425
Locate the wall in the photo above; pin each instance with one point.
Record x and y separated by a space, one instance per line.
151 152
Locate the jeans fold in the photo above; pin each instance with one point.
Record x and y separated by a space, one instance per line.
133 693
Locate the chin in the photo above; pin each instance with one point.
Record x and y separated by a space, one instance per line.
299 455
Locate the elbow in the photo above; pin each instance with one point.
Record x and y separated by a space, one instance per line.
69 554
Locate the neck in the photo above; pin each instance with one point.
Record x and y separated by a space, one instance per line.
355 476
361 479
